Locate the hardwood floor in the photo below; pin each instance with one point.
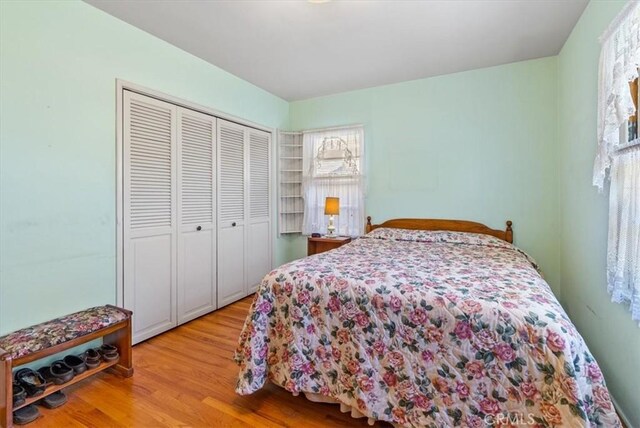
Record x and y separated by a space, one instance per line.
186 377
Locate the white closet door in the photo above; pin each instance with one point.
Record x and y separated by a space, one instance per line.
231 212
150 217
259 228
196 215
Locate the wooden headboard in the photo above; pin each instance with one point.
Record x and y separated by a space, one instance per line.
452 225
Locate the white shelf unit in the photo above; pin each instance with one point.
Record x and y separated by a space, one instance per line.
290 182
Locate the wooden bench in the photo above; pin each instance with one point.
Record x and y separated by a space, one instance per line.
110 323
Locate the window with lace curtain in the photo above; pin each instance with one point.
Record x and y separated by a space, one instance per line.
332 166
618 155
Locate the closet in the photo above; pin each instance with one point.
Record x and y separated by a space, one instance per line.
196 212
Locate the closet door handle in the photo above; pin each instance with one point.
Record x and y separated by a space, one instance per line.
199 228
233 224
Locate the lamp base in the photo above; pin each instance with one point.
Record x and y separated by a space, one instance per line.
330 228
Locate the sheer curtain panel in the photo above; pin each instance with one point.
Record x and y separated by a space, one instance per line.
333 163
623 264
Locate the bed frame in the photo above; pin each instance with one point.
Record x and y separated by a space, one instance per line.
452 225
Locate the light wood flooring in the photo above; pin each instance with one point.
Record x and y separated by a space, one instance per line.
186 377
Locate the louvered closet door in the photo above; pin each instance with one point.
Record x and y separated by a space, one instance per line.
149 214
196 214
259 228
231 212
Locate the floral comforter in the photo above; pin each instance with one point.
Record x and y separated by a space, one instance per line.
428 329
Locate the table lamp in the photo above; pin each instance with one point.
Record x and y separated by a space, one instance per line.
331 208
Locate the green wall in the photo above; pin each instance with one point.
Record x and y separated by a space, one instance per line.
607 327
478 145
59 61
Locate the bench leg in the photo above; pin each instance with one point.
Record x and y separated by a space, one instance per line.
122 340
6 391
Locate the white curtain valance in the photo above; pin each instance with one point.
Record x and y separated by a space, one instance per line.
618 66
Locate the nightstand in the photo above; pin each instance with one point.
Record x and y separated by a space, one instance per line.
322 244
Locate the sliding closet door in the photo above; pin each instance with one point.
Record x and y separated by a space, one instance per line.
149 215
196 214
231 212
259 228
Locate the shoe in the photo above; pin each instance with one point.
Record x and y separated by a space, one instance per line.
19 395
61 370
110 357
32 382
45 372
76 363
91 358
109 352
25 415
107 349
53 400
57 373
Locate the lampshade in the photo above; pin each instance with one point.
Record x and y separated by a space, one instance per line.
332 206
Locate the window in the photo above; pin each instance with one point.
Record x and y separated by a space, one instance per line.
618 155
333 163
629 129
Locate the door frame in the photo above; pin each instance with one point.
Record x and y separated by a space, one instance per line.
123 85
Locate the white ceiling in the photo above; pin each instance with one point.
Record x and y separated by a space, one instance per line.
299 49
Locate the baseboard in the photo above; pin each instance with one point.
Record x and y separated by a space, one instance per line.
623 417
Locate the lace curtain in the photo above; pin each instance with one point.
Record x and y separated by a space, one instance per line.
623 264
619 157
332 165
618 66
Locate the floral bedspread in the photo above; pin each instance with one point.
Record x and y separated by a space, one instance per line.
427 329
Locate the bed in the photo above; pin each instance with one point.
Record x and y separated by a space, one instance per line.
425 323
